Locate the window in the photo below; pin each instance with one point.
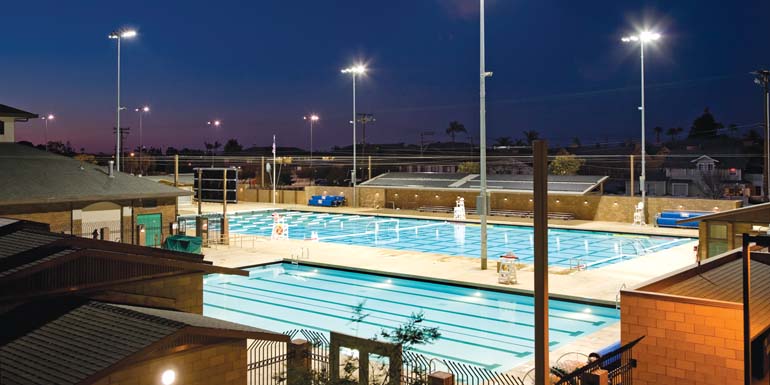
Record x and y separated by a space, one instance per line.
2 127
679 189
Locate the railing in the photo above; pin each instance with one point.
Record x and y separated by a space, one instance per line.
618 363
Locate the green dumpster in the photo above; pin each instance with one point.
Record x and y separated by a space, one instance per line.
183 243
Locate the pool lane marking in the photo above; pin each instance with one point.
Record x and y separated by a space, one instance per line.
348 307
595 323
394 321
516 353
372 232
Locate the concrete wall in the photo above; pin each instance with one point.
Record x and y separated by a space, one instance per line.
8 135
223 363
249 194
185 292
686 343
587 207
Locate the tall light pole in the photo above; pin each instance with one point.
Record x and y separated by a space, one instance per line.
481 206
215 124
643 38
141 111
763 79
312 119
356 70
45 131
119 35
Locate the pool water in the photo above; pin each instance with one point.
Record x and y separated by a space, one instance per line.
485 328
567 248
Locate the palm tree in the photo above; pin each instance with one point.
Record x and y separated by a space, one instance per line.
504 141
531 136
455 128
658 130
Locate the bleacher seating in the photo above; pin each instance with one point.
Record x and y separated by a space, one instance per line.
668 218
326 200
498 213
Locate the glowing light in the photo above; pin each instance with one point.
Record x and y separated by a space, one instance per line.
123 34
168 377
49 117
644 36
311 117
358 69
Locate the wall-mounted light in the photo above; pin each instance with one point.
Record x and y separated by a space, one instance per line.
530 200
505 199
436 196
615 203
396 195
168 377
716 208
558 201
585 202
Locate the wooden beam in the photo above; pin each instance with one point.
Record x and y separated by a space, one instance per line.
540 193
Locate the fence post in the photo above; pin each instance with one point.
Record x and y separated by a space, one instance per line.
298 362
596 377
441 378
104 233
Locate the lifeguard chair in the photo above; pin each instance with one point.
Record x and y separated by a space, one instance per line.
459 211
639 214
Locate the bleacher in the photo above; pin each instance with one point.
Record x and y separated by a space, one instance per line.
498 213
326 200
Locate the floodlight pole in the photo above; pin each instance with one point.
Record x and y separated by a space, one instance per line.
643 178
482 201
117 117
353 174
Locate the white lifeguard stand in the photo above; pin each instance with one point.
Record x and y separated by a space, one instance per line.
280 228
639 214
507 273
459 212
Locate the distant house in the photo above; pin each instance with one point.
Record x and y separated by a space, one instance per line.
704 175
8 118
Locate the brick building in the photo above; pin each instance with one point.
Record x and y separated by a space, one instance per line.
81 198
693 323
85 311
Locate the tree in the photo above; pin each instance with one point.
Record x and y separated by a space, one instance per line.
753 136
565 164
469 167
455 128
710 184
233 147
671 132
658 130
531 136
575 142
705 126
504 141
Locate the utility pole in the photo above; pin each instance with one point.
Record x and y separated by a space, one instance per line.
364 118
763 79
124 131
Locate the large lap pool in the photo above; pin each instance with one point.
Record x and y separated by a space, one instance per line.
567 248
479 327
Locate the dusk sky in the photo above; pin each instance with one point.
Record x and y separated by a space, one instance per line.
259 66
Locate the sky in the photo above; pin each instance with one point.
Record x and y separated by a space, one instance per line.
260 66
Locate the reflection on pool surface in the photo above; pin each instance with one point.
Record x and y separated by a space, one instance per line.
479 327
567 248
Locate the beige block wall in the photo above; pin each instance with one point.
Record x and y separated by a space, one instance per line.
59 216
248 194
223 363
685 343
185 290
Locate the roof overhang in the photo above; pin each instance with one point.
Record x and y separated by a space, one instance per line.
756 213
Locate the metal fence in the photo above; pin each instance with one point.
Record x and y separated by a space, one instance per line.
267 364
619 364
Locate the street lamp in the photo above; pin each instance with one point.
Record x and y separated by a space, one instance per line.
642 38
141 111
312 118
119 35
45 132
482 205
356 70
763 80
215 124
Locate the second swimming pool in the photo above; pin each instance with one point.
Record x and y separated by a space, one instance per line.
567 248
491 329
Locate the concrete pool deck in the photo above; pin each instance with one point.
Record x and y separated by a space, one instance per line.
601 284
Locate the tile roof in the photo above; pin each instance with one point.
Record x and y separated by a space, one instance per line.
68 341
32 176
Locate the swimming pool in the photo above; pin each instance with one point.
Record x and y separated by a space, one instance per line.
485 328
567 248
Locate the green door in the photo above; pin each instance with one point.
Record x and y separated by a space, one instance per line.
152 229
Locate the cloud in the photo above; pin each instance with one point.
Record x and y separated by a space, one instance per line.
461 9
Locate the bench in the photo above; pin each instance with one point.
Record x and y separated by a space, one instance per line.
435 209
668 218
326 200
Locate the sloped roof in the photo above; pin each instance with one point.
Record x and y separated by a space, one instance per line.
11 112
72 341
689 161
754 213
32 176
566 184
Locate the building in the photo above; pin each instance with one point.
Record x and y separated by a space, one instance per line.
82 198
723 231
8 118
704 175
85 311
693 323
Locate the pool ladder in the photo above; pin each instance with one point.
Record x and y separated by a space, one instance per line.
617 296
300 253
